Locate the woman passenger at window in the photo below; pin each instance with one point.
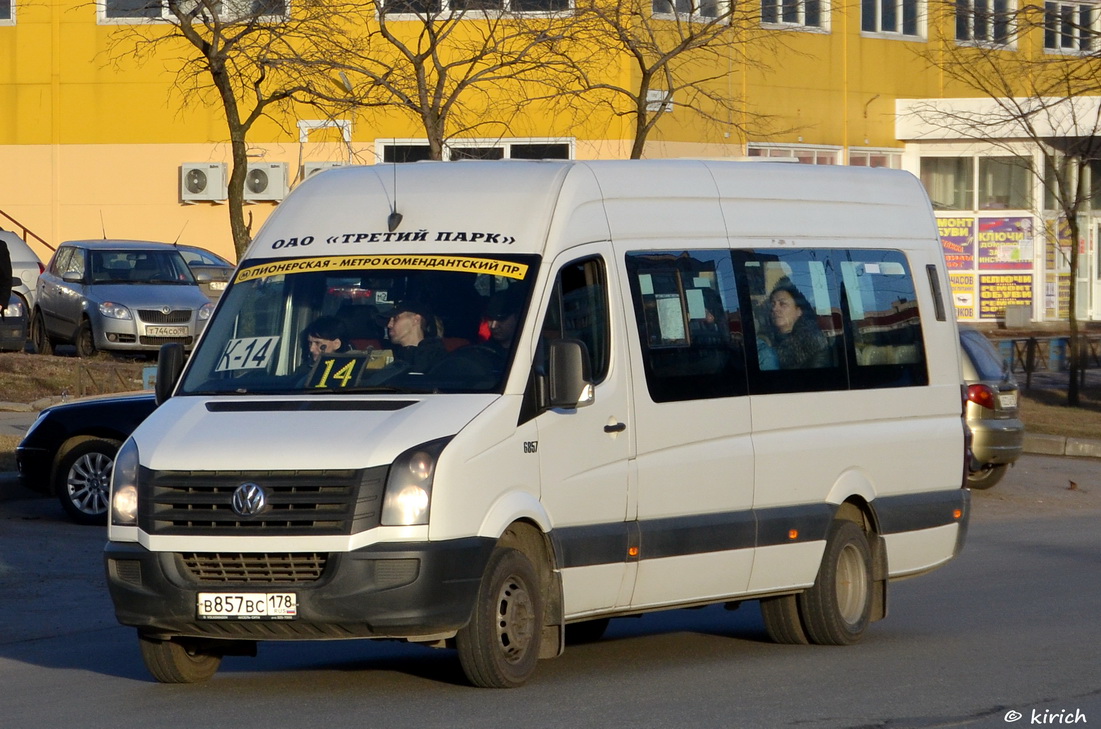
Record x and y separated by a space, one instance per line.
792 330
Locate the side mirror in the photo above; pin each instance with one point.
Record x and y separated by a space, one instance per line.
16 281
569 383
170 364
72 277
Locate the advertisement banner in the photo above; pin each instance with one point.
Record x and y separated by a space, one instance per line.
1005 243
996 291
963 294
957 238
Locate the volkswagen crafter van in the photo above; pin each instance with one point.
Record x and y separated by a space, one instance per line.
471 404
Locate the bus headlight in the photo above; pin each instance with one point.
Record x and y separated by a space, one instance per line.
409 486
124 486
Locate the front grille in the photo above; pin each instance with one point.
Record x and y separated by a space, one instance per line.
155 316
252 568
298 503
165 340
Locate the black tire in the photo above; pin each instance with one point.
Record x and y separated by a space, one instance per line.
85 340
177 660
987 478
837 609
588 631
83 479
500 645
40 338
782 621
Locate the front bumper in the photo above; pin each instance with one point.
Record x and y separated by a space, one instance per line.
399 590
134 335
35 469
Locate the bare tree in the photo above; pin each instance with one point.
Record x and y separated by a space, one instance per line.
463 69
678 54
235 56
1049 101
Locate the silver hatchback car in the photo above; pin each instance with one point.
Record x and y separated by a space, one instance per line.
124 296
992 410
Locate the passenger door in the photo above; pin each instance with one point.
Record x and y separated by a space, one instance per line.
49 290
69 307
584 452
694 456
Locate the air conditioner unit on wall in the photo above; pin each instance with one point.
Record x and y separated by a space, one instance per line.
309 169
202 182
266 181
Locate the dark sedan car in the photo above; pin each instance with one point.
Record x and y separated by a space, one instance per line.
70 450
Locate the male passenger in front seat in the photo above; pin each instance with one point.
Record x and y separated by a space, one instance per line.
413 332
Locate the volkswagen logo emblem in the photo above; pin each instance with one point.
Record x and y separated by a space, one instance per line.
249 499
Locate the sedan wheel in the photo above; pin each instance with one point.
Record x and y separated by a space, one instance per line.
84 480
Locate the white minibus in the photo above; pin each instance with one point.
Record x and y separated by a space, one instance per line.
489 405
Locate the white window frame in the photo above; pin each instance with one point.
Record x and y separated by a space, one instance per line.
165 16
1094 31
989 15
819 154
722 9
921 9
506 144
10 20
445 11
800 7
893 155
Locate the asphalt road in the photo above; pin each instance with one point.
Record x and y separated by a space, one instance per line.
1009 628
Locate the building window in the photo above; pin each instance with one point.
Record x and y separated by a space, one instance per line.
1070 26
805 13
895 17
805 154
949 181
418 151
7 12
888 158
229 10
1091 184
1005 183
434 7
702 9
983 21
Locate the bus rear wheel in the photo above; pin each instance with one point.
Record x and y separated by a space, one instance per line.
837 609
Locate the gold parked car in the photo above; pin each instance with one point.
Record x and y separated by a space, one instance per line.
992 410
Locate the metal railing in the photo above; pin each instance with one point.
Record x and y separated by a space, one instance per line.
26 232
1049 354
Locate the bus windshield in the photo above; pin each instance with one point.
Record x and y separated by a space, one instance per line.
362 324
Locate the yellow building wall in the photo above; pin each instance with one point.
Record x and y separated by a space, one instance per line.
93 137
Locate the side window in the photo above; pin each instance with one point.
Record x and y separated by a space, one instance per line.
886 324
579 310
61 261
689 324
75 263
798 325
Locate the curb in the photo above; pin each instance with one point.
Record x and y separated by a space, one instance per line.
1057 445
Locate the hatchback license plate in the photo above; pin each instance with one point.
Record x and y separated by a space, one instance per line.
247 605
166 331
1008 399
